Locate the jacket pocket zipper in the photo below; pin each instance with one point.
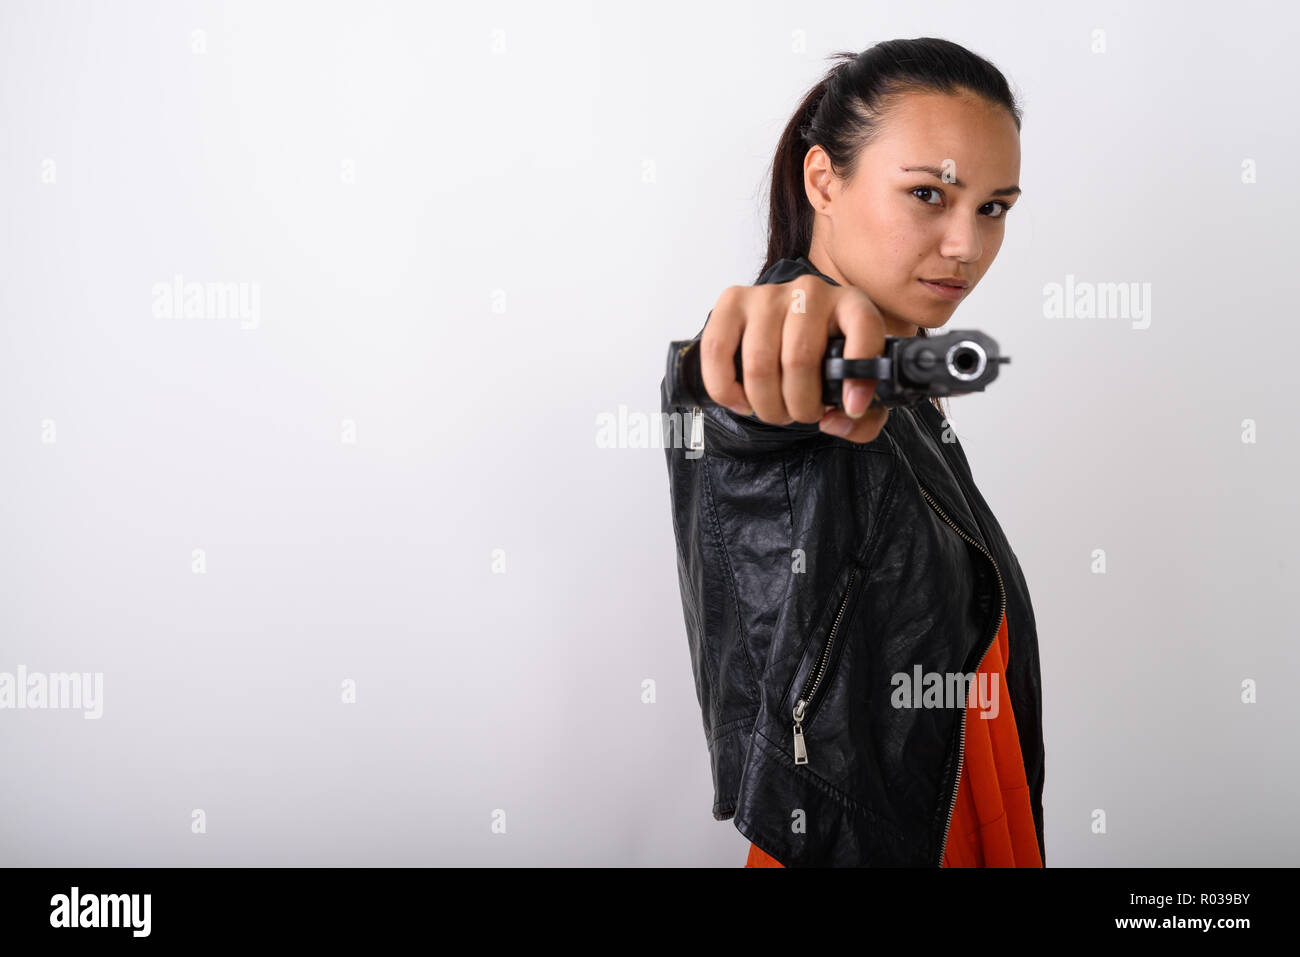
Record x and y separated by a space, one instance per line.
695 440
961 751
814 679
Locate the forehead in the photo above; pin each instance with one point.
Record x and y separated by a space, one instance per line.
927 128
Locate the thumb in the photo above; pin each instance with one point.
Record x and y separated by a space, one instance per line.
861 430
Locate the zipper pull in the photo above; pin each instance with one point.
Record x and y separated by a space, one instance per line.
800 749
696 443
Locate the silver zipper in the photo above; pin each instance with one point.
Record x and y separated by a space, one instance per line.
814 679
696 443
961 751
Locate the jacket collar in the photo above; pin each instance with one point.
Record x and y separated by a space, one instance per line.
918 437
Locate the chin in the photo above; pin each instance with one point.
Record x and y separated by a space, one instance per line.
937 318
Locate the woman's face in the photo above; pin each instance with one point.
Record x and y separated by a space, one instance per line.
889 228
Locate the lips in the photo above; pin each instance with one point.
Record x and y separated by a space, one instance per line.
945 288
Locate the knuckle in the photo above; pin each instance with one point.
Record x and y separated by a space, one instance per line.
712 347
729 299
761 361
804 411
812 293
805 357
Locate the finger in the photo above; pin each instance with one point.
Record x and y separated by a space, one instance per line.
863 328
867 428
803 349
718 344
761 356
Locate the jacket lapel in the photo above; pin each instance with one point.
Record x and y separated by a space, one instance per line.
920 447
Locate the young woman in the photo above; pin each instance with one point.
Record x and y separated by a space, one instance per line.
841 575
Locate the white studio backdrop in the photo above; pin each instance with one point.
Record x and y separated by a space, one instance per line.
361 582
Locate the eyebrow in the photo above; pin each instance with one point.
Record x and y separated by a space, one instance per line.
938 174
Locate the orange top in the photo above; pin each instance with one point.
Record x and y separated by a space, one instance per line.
993 821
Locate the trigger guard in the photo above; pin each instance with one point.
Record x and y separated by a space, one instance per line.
838 368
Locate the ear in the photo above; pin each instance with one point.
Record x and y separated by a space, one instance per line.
817 178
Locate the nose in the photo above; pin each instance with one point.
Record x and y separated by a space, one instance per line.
961 239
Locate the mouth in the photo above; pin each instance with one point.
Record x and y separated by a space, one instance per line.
947 288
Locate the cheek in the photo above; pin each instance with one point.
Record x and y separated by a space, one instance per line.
991 246
909 240
891 240
877 222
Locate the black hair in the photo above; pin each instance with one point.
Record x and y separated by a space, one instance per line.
843 112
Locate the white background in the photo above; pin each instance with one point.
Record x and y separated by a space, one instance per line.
498 275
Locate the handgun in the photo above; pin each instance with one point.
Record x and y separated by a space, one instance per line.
909 370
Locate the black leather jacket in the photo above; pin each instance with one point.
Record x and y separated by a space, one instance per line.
813 567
